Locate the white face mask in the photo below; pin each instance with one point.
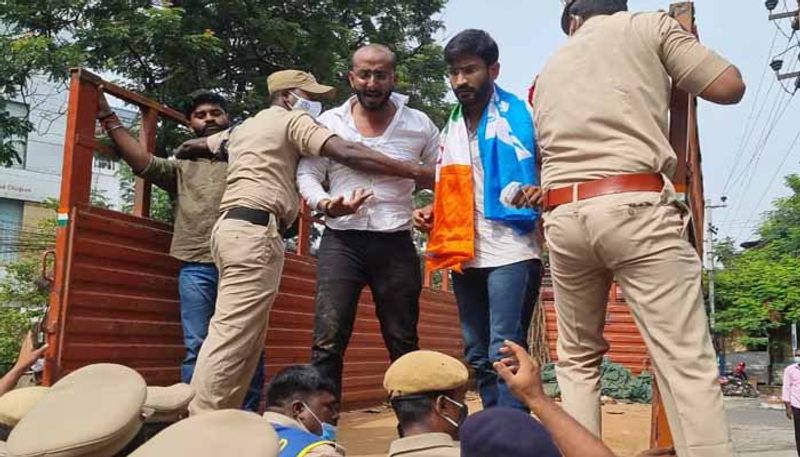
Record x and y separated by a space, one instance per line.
312 107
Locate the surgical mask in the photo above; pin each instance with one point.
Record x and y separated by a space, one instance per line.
796 359
312 107
463 412
328 430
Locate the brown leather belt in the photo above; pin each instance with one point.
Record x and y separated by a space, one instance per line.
639 182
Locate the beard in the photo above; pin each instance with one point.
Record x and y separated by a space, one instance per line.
373 100
210 129
469 96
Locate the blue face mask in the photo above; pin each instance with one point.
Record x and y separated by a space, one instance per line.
328 430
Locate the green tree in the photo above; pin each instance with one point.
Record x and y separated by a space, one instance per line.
758 291
168 49
160 201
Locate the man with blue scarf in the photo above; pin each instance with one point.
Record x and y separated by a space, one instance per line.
481 229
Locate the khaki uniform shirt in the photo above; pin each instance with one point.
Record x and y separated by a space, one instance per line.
196 187
601 102
425 445
263 152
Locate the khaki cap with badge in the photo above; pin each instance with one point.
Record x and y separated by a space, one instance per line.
296 79
424 371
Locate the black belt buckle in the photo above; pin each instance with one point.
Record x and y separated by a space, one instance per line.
253 216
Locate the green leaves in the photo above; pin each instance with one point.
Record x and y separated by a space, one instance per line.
168 49
759 289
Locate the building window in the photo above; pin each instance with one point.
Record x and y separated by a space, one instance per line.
10 229
20 110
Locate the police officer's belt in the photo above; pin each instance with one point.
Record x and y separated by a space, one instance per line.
253 216
639 182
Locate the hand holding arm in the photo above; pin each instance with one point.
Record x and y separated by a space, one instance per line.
362 158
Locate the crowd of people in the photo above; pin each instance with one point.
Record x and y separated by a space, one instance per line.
584 163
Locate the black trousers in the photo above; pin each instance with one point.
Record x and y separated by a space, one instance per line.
796 417
348 260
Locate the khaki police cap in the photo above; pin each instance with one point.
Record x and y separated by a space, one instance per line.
218 433
296 79
93 411
16 403
424 371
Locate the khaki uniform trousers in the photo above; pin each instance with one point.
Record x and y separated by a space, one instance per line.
250 261
639 239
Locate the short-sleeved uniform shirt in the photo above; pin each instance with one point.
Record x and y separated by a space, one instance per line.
263 153
196 187
425 445
601 102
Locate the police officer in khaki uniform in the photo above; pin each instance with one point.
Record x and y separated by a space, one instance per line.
427 391
259 201
601 110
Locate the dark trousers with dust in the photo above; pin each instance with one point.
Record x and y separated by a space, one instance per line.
348 260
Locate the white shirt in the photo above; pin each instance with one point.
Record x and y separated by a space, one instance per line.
496 244
411 136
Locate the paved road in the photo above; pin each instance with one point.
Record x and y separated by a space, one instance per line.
758 431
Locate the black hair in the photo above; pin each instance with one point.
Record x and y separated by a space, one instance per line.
202 98
472 42
413 408
589 8
297 381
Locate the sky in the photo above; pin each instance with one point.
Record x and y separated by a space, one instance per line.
747 149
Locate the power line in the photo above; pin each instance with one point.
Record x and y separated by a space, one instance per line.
749 123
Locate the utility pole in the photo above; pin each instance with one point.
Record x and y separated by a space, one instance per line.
712 267
710 257
777 63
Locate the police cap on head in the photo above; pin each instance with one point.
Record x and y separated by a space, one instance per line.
296 79
582 7
424 371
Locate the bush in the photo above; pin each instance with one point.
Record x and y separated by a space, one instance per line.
14 323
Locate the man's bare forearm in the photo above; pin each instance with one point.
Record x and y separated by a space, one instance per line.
130 150
362 158
571 437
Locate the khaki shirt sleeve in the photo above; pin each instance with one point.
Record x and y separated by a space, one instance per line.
306 135
215 141
163 173
691 65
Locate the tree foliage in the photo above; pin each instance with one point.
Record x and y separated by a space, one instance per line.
759 289
168 49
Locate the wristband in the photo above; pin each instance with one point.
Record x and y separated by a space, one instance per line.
110 122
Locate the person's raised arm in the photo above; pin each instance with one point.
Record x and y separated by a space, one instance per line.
27 357
129 149
362 158
522 375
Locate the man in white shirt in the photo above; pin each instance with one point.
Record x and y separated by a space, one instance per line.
498 286
367 240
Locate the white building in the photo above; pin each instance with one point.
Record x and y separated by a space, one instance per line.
24 187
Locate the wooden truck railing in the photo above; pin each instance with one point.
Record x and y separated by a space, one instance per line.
114 296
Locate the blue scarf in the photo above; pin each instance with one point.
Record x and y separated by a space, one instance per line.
508 153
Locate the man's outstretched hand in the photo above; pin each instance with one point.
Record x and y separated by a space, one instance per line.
27 354
341 206
423 218
521 373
